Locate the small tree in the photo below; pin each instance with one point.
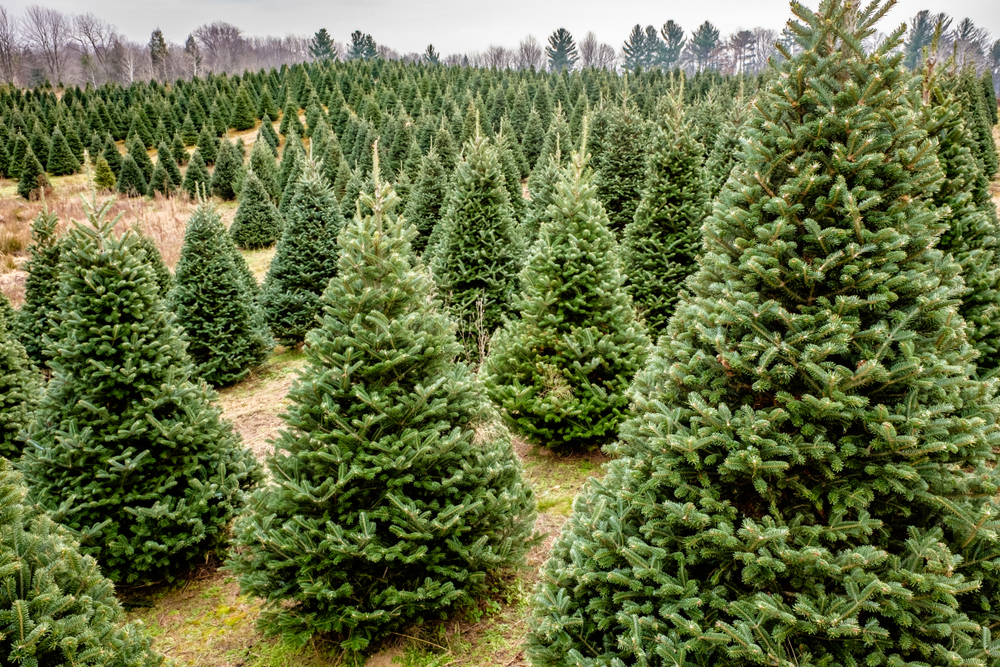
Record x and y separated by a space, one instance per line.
19 389
243 116
208 145
262 164
165 159
39 313
213 306
257 223
424 207
394 509
131 181
196 178
137 151
228 172
31 177
104 177
61 160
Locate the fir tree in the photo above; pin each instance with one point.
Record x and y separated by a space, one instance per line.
660 244
228 172
393 509
213 306
104 177
808 475
19 388
131 181
208 145
137 151
165 158
160 182
189 133
196 178
57 607
31 177
243 116
723 157
61 160
426 201
264 166
305 260
161 274
39 313
257 223
178 150
560 371
620 163
534 136
269 135
123 448
542 186
111 154
480 250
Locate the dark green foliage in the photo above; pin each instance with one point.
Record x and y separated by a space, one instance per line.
444 145
269 135
178 150
362 47
104 177
217 312
208 145
196 178
111 154
17 153
481 250
243 116
978 121
393 495
228 172
290 120
989 96
305 259
31 177
660 244
620 163
426 201
165 159
19 387
131 181
56 607
542 187
809 476
322 47
160 182
264 166
189 133
139 463
724 155
534 136
61 160
257 223
560 371
561 51
161 274
39 312
137 151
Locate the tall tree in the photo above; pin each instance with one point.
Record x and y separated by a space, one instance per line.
39 313
561 51
703 42
430 56
363 47
673 44
158 54
322 46
620 162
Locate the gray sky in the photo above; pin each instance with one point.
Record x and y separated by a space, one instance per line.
460 26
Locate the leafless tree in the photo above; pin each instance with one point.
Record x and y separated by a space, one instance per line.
497 57
587 49
607 57
387 53
741 46
96 40
135 62
764 48
222 45
529 54
48 33
11 47
453 60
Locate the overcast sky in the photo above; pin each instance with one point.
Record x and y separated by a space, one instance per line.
461 26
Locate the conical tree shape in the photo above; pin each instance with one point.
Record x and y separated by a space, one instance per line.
620 163
213 306
305 260
104 177
196 178
137 150
661 243
264 166
161 274
56 607
480 251
725 152
160 182
257 223
208 145
123 448
424 207
243 117
542 186
61 160
560 371
31 177
165 158
112 155
19 389
131 181
228 172
393 493
39 313
808 478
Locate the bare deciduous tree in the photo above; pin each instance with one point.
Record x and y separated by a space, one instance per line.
222 45
96 41
48 32
529 54
11 47
497 57
588 48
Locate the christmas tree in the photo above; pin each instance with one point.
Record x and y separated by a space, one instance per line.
243 117
39 312
660 244
213 306
31 177
257 223
19 388
165 159
196 178
305 259
266 169
161 274
393 494
61 160
56 606
808 477
123 448
424 207
620 163
228 172
104 177
559 372
131 181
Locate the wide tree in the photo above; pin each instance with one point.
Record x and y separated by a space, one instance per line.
257 223
39 313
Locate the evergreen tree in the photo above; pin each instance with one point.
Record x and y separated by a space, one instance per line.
189 133
123 448
165 159
257 223
31 177
444 145
661 243
131 181
137 151
269 135
208 145
290 120
19 388
160 182
426 201
39 312
392 508
243 116
542 186
560 371
161 274
61 160
534 136
305 260
178 150
228 172
262 164
104 177
561 51
723 157
673 45
362 47
620 163
808 475
111 154
57 607
322 46
213 307
703 42
196 178
480 250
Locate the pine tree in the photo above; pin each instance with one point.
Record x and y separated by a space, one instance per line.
560 371
57 607
480 251
243 116
123 447
161 274
165 158
196 178
561 51
426 201
393 509
661 243
808 475
104 177
290 120
264 166
39 313
61 160
19 388
257 223
213 307
228 172
131 181
305 260
620 163
137 151
31 177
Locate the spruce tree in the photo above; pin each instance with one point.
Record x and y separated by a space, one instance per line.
165 158
257 223
196 178
213 306
269 135
724 154
160 182
19 388
161 274
124 449
808 476
426 201
39 313
243 117
104 177
31 177
392 508
542 187
559 372
56 606
112 155
661 243
264 166
208 145
61 160
228 172
178 150
137 150
480 251
620 163
131 181
305 260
